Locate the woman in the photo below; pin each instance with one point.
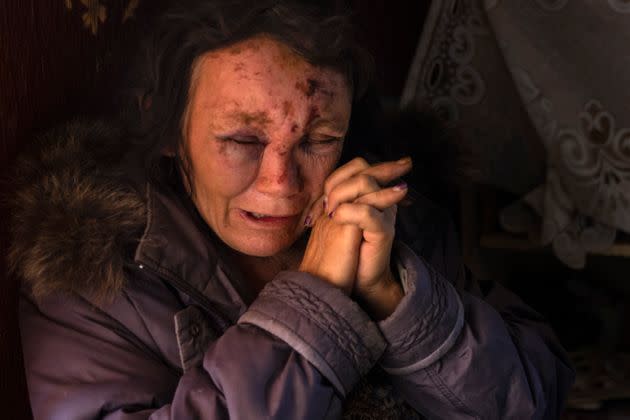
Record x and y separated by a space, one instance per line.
241 271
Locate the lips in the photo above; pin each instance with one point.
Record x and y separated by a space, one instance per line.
258 215
268 219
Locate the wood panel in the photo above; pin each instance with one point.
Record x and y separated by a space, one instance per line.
51 68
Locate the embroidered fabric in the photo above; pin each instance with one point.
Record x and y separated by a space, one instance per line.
580 116
562 79
458 72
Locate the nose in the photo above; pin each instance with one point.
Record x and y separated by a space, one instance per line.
278 173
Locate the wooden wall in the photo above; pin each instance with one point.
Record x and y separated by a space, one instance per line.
52 67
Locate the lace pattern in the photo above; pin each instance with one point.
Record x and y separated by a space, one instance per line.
561 80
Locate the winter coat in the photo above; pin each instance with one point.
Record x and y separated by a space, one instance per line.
129 310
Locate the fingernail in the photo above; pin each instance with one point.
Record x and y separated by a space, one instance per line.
404 160
400 187
330 215
307 221
325 203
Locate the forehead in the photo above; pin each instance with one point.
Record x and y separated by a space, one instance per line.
261 74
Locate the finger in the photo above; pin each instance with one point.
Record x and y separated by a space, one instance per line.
386 172
314 212
366 217
350 169
364 189
384 198
350 190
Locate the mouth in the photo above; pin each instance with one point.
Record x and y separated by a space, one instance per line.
268 219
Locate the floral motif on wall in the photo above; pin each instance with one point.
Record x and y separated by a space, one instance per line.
95 12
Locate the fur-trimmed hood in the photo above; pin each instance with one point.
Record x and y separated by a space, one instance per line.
76 217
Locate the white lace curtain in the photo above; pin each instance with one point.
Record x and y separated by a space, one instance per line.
542 90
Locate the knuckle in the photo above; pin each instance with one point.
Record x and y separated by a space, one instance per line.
367 182
360 162
369 212
330 197
340 211
363 182
328 185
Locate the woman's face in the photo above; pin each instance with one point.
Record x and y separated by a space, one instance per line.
263 130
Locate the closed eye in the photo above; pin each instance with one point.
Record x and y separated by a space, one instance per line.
327 141
243 140
322 141
320 146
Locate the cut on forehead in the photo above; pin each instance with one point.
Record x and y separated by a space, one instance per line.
261 48
264 59
260 118
260 82
268 55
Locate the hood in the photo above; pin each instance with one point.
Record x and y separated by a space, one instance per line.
77 216
75 219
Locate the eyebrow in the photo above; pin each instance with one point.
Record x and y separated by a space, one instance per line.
262 119
256 118
333 124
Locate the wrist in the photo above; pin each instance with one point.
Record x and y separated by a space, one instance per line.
381 300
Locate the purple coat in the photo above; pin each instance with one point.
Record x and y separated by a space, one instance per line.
181 337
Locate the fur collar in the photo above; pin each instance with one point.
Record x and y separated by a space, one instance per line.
75 218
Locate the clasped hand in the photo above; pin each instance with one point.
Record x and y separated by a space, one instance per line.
353 233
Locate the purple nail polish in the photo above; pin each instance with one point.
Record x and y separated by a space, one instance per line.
400 187
325 203
307 221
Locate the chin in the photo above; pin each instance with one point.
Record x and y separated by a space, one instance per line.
262 246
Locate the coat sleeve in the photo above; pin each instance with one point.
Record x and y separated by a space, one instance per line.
454 353
295 353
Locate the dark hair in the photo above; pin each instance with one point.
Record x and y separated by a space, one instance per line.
320 31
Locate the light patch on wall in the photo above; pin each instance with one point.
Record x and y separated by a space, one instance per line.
130 10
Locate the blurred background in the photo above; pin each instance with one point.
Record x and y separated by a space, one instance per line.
522 102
